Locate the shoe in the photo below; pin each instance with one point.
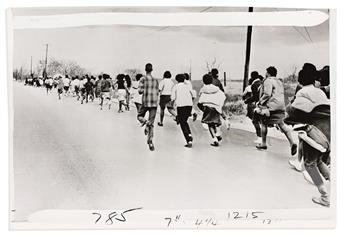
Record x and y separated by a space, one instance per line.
216 144
195 116
189 144
120 111
160 124
258 140
295 163
261 147
151 147
219 138
324 201
293 149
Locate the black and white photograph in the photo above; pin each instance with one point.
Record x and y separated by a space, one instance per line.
199 117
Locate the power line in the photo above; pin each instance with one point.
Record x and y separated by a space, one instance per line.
300 33
305 28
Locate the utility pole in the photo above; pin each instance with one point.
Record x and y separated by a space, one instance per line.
190 69
31 66
45 63
224 79
248 45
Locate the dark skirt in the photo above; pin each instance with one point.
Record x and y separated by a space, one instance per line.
276 117
210 115
164 100
250 110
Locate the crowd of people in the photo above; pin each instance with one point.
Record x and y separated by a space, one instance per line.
308 112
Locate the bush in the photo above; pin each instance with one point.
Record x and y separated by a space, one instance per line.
234 105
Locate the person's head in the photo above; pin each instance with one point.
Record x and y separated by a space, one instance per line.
167 75
323 76
179 78
254 75
88 79
66 76
307 75
186 75
271 71
214 73
138 76
148 68
207 79
100 77
104 76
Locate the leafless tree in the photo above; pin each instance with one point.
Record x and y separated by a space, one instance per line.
212 64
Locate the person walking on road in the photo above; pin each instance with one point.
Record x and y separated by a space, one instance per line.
149 88
182 95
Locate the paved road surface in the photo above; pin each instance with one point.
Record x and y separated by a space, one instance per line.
72 156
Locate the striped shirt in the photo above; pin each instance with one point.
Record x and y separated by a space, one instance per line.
149 87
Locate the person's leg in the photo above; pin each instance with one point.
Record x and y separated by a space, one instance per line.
263 144
212 129
311 159
288 135
150 126
183 114
324 170
137 105
141 115
162 107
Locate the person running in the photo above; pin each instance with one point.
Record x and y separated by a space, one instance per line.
93 81
215 80
311 107
121 90
105 91
98 85
271 107
88 86
251 96
75 86
149 88
49 84
189 83
60 86
66 84
137 98
82 89
211 101
182 96
165 88
128 86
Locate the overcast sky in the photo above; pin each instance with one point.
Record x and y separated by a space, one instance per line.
112 49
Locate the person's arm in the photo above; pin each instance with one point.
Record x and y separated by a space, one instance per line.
267 92
141 86
161 86
173 93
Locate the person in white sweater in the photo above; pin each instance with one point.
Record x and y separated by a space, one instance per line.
182 96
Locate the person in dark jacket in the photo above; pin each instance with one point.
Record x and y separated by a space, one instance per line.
216 81
251 96
88 91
